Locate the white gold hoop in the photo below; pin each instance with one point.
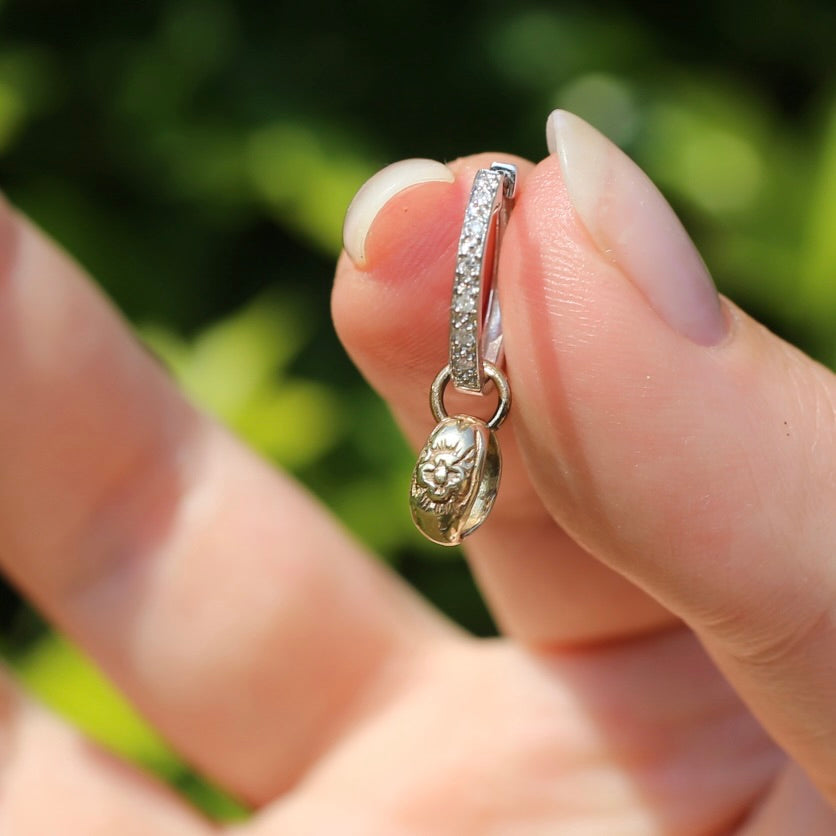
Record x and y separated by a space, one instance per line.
475 318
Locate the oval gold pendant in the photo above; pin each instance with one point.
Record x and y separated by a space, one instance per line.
455 481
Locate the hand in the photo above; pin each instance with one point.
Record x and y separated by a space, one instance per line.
659 559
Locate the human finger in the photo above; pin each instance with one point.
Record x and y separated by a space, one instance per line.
52 780
233 612
681 442
639 737
391 309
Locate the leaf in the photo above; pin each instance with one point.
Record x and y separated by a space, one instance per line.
231 361
702 148
307 180
294 422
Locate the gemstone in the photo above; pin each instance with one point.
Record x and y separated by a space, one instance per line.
464 323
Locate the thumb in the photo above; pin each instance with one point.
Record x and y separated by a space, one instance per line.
675 438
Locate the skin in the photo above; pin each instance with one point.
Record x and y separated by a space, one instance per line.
666 665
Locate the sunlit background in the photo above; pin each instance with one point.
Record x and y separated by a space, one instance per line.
198 155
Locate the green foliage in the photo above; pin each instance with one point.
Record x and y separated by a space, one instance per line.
11 114
817 285
240 370
63 679
236 369
307 178
198 155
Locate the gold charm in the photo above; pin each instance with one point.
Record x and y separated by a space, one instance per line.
456 479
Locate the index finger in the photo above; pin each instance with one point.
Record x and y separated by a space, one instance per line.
233 612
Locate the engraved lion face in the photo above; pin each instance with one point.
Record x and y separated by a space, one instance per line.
444 471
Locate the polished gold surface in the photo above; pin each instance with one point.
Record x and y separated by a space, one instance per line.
455 480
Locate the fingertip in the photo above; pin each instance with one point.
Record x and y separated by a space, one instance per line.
376 192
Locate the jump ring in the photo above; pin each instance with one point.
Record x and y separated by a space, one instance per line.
490 371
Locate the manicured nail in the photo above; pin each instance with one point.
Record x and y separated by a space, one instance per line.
376 192
635 227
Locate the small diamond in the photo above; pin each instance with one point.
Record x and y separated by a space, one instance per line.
467 265
464 305
466 283
473 227
477 212
485 187
481 186
470 244
466 288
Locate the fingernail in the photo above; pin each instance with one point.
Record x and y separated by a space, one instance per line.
376 192
634 226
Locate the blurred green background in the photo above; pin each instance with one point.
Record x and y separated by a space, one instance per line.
198 155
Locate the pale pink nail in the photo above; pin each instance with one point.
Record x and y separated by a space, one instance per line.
633 224
376 192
